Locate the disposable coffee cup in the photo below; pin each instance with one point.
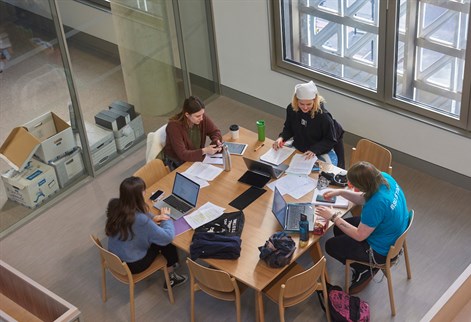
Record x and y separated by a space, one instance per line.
234 128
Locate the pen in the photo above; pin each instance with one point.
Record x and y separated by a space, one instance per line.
216 157
258 147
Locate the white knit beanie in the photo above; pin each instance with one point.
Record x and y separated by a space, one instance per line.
307 91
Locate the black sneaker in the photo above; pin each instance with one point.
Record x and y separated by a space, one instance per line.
175 280
361 279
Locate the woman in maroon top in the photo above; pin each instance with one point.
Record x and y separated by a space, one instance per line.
187 132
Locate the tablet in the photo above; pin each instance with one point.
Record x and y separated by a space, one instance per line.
236 148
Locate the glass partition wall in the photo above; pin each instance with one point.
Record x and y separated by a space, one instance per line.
86 64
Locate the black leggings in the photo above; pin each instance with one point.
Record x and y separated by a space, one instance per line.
168 251
342 247
340 151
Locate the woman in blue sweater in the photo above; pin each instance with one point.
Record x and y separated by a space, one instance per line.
135 235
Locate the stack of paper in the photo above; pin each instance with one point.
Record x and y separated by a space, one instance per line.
277 157
203 215
340 202
300 165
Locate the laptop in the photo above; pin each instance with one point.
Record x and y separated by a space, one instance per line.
183 198
288 214
264 167
258 173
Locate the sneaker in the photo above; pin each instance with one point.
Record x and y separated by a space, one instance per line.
176 266
175 280
361 279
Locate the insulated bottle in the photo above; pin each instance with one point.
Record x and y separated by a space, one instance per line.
226 158
303 231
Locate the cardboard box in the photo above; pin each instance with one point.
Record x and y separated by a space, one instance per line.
69 167
102 144
138 126
110 120
31 186
55 134
125 107
19 148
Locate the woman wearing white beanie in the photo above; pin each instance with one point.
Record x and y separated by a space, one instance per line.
312 127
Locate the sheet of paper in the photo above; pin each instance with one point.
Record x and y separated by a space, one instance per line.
277 157
299 164
203 171
340 202
203 215
294 185
213 159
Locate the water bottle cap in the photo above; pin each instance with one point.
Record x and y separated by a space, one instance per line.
260 122
303 217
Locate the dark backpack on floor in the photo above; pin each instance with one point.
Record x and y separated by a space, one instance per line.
344 307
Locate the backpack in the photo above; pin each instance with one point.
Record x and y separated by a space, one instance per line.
344 307
278 250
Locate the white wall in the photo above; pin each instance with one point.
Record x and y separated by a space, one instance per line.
242 35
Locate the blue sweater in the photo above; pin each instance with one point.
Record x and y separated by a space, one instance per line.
146 232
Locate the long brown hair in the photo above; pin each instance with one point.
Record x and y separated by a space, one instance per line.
122 212
364 176
316 108
191 105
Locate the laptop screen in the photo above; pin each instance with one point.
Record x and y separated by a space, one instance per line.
186 189
279 206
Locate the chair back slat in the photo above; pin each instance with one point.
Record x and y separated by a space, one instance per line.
304 284
111 261
152 172
211 279
397 247
373 153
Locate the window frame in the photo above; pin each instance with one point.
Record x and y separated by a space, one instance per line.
383 97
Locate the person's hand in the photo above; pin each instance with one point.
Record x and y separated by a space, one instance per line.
278 143
219 145
331 193
211 149
164 215
309 155
324 212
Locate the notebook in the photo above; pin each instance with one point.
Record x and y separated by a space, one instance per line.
183 198
288 214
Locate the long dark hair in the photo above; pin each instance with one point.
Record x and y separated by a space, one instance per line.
122 212
191 105
364 176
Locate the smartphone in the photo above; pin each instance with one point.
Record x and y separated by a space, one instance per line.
321 198
156 195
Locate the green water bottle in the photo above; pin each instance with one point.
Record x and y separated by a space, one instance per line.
261 130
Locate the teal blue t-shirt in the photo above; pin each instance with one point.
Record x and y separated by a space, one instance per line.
386 211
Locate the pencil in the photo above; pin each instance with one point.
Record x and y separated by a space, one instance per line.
258 147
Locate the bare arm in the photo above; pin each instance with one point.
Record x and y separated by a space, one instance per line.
353 196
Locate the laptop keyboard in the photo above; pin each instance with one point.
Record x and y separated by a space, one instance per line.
294 216
177 203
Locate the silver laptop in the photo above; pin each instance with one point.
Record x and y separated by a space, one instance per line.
183 198
289 214
265 168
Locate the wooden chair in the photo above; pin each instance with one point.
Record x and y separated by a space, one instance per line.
121 272
155 143
296 285
152 172
373 153
391 259
215 283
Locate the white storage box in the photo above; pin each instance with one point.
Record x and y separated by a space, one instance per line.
102 144
124 138
138 127
19 148
69 167
55 135
31 186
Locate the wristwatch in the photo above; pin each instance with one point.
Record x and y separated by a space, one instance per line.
335 216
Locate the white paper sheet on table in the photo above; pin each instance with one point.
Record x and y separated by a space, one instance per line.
213 159
340 202
203 215
277 157
294 185
203 171
300 165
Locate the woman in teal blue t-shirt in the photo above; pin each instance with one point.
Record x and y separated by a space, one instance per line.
383 219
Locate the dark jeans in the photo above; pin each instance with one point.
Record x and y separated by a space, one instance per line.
340 151
168 251
172 164
342 247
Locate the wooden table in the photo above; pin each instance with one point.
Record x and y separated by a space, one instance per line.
260 223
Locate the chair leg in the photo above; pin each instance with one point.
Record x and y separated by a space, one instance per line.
103 284
326 298
282 312
347 275
237 302
192 299
391 291
406 259
169 288
131 301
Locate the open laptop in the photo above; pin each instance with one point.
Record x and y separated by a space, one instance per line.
265 167
288 214
258 173
183 198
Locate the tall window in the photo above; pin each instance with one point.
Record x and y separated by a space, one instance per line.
408 54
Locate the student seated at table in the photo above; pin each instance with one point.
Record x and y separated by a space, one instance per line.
137 236
312 127
186 135
383 219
